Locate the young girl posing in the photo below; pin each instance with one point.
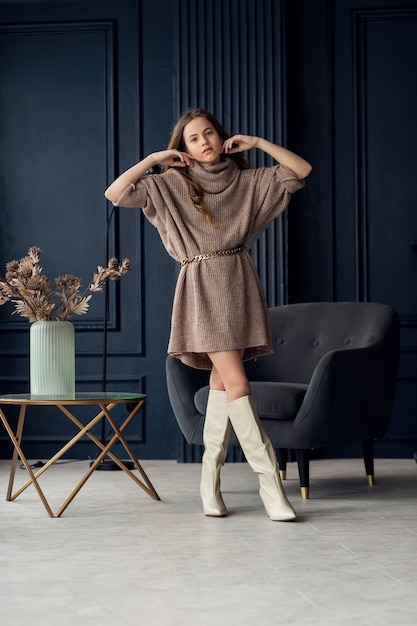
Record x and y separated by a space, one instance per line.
206 204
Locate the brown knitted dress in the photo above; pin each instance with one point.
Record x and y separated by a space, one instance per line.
219 303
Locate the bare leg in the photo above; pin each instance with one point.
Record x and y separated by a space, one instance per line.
228 373
215 380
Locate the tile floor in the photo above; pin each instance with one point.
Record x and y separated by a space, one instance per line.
117 557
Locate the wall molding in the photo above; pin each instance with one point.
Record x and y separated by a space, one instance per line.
361 19
230 61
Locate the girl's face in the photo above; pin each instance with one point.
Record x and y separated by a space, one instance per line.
202 141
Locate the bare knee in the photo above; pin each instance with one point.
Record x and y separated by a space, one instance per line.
236 385
216 380
229 374
238 389
235 388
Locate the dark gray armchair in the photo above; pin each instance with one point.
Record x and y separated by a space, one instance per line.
330 380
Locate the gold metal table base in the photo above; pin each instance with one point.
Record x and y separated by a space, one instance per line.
106 402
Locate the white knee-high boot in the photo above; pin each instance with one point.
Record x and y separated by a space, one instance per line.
261 457
216 435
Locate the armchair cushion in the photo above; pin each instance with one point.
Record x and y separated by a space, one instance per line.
275 401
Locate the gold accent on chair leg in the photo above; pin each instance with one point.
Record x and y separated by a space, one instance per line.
305 493
371 480
282 474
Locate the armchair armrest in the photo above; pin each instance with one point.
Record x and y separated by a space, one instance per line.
350 397
183 382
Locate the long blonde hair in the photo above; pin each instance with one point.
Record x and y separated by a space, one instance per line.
177 143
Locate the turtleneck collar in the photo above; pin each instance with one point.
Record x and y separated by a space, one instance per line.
215 178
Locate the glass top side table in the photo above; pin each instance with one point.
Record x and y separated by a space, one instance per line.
105 402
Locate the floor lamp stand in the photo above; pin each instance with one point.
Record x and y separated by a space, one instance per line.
107 464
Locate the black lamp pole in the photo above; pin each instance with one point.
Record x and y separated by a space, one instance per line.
107 464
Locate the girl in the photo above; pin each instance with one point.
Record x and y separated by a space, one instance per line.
205 205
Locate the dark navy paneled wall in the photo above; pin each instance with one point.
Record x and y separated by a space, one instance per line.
351 92
87 88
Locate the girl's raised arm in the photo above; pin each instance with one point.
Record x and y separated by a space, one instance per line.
239 143
134 173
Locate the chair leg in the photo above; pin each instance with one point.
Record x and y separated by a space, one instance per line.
368 458
303 462
282 456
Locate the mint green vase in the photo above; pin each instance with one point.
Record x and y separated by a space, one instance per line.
52 359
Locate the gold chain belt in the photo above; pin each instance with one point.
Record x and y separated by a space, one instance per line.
211 255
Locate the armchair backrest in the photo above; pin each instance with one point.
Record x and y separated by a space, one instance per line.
303 333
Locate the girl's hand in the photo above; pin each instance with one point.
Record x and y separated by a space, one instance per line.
174 158
239 143
297 164
133 174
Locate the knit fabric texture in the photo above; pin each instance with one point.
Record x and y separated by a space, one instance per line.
218 303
